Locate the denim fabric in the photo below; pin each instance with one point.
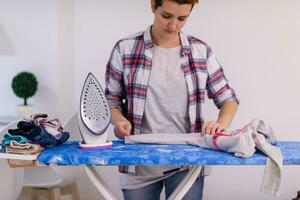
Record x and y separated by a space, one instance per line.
38 135
195 192
152 191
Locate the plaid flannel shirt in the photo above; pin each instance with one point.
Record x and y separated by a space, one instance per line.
128 72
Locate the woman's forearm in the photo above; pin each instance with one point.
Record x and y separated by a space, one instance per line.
116 116
227 113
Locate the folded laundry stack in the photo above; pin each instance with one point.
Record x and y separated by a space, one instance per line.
33 134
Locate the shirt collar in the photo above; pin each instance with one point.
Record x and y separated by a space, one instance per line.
185 44
147 38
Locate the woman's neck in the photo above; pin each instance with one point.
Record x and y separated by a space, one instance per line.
164 42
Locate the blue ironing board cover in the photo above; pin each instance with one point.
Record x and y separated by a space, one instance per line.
69 153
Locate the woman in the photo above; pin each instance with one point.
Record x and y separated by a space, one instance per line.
156 82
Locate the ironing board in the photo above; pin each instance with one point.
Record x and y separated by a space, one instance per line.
150 154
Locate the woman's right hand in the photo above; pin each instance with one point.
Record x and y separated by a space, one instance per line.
122 129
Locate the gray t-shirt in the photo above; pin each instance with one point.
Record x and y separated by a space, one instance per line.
166 111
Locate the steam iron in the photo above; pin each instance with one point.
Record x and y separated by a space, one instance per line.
94 115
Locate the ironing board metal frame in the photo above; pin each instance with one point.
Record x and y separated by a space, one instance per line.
177 194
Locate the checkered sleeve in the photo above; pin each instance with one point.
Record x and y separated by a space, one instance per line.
114 91
217 84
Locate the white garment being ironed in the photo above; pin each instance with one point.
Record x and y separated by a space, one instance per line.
257 134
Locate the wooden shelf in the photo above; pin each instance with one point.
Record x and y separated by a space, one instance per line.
18 156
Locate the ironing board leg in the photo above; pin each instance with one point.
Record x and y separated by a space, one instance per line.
186 183
99 183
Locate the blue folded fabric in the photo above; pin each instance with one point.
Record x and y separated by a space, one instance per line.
44 139
37 134
8 137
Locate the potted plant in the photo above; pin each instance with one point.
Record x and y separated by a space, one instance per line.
24 85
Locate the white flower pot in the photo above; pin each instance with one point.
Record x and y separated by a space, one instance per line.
24 111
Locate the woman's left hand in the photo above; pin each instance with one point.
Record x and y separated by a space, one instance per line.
212 127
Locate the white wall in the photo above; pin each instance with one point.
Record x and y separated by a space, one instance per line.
256 41
34 37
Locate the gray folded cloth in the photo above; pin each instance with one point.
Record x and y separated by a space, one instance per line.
242 142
